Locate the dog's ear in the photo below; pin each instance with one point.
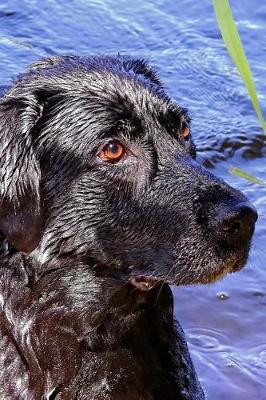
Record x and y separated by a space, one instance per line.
20 205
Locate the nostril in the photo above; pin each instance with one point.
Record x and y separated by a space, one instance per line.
239 222
232 228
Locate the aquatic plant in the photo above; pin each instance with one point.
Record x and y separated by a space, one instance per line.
236 50
239 172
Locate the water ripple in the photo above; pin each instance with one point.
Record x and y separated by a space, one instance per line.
227 338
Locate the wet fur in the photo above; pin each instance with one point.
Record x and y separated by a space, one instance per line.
82 240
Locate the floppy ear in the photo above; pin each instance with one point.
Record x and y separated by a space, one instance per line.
20 208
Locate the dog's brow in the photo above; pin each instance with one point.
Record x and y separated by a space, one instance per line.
173 118
132 129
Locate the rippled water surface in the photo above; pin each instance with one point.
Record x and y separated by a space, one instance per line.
225 323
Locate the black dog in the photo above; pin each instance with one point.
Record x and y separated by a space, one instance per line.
102 206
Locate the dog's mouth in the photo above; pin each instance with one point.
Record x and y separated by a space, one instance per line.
235 262
226 269
205 274
144 283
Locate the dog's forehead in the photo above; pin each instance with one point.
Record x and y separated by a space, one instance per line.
118 84
94 96
102 90
108 98
128 96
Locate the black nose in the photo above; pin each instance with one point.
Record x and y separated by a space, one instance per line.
239 222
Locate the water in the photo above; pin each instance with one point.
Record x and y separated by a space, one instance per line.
225 323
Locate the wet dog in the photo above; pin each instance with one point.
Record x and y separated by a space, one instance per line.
103 205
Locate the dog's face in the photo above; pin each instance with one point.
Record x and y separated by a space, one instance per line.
97 162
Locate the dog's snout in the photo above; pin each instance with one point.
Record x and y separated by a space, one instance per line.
237 224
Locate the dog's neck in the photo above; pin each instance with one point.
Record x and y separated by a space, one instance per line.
80 329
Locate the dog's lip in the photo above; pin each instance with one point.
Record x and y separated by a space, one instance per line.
228 269
144 283
238 266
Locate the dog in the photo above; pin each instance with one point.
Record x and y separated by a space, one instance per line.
103 206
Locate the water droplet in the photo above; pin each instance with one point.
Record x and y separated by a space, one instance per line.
223 296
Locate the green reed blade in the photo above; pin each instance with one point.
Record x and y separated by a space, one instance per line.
239 172
235 48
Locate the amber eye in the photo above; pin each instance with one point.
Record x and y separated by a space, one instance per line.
112 152
186 132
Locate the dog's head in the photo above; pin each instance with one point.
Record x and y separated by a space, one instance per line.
96 161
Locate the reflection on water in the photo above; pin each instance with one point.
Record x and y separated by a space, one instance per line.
226 333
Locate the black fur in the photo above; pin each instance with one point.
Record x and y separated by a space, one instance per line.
88 247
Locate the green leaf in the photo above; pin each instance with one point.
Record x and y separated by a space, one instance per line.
235 48
239 172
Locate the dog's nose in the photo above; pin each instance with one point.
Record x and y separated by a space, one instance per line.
238 224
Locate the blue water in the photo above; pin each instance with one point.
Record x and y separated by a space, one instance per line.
225 323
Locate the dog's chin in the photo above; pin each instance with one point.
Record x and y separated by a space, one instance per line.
233 264
214 272
222 272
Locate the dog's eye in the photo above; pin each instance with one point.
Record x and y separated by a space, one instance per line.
186 132
112 152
